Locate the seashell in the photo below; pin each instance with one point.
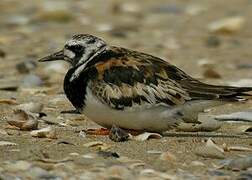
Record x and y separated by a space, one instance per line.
47 132
135 165
146 135
197 163
8 101
7 143
227 25
237 116
18 166
210 143
210 150
89 156
31 107
195 9
3 132
236 148
148 171
74 154
154 152
82 134
22 120
207 124
100 145
9 84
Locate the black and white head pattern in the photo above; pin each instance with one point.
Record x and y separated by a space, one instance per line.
80 48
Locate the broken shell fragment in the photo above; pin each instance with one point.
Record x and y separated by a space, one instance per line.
197 163
100 145
31 107
227 25
236 148
210 150
8 101
146 135
47 132
7 143
207 123
22 120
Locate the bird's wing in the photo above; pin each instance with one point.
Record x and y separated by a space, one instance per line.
129 78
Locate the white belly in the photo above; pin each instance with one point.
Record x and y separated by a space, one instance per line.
159 118
153 118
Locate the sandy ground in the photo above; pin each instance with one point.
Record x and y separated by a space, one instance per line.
174 30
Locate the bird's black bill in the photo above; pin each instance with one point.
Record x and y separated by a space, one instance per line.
53 57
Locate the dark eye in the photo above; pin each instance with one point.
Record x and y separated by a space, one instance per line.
77 48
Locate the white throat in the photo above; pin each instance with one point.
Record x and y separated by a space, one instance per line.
78 71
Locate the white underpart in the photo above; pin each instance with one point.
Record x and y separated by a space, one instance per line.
157 118
144 117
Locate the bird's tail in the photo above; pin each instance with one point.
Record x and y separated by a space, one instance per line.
199 90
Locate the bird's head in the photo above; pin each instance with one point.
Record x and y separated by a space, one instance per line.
78 50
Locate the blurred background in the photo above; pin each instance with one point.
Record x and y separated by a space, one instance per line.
210 40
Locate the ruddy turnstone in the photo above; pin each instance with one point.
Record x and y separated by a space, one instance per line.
134 90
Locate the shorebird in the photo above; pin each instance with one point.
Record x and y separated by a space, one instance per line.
134 90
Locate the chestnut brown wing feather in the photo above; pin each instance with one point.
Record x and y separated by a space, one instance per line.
130 78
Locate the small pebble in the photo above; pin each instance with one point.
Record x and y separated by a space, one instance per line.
108 154
227 25
197 163
119 172
168 8
26 66
2 53
47 132
31 107
17 166
208 124
31 81
240 163
213 41
211 73
60 16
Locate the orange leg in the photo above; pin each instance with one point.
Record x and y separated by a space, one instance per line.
100 131
104 131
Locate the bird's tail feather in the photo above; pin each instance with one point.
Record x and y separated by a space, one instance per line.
199 90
